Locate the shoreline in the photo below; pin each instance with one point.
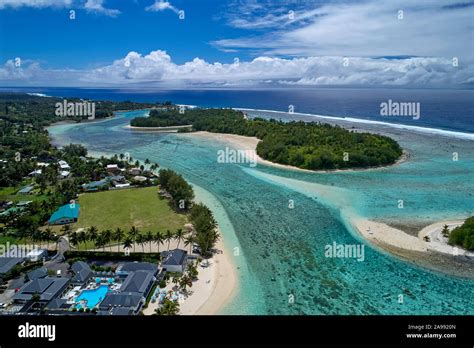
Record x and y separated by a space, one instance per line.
169 129
434 255
245 143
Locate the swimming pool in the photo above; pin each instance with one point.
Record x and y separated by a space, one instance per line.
91 297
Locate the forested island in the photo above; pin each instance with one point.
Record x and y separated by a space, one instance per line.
307 145
463 235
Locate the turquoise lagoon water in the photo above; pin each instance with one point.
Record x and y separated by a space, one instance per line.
93 297
280 251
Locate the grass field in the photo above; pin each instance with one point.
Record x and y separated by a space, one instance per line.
139 207
10 194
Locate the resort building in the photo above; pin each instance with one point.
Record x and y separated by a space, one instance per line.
7 264
120 304
38 273
128 300
37 254
174 260
47 288
125 269
82 272
139 282
57 305
66 214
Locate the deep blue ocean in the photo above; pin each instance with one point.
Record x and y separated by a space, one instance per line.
443 109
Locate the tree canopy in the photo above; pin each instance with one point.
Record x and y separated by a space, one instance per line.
307 145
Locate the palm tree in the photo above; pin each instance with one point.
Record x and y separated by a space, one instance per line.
185 281
127 243
179 236
169 307
92 233
107 236
118 236
133 235
100 242
147 161
158 239
121 156
82 237
168 237
149 238
74 239
189 240
140 239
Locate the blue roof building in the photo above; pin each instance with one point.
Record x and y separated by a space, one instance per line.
96 185
66 214
26 190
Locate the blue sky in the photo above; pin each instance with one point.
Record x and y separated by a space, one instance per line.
278 43
47 34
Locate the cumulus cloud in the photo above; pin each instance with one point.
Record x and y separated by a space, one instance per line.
158 69
97 6
161 5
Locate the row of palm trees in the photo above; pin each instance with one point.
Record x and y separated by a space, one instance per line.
42 236
153 166
129 239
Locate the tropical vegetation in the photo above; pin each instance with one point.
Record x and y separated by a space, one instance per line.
308 145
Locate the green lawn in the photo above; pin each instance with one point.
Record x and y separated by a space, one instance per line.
10 194
139 207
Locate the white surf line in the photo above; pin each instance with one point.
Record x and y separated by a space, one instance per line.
461 135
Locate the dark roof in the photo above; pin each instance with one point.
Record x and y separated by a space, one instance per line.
122 299
78 265
7 263
47 288
82 276
176 257
58 303
121 311
137 266
137 282
37 273
82 271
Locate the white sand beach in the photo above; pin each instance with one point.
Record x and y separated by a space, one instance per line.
379 234
215 286
171 129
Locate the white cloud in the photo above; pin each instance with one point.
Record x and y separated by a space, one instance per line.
97 6
367 29
94 6
34 3
161 5
158 69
